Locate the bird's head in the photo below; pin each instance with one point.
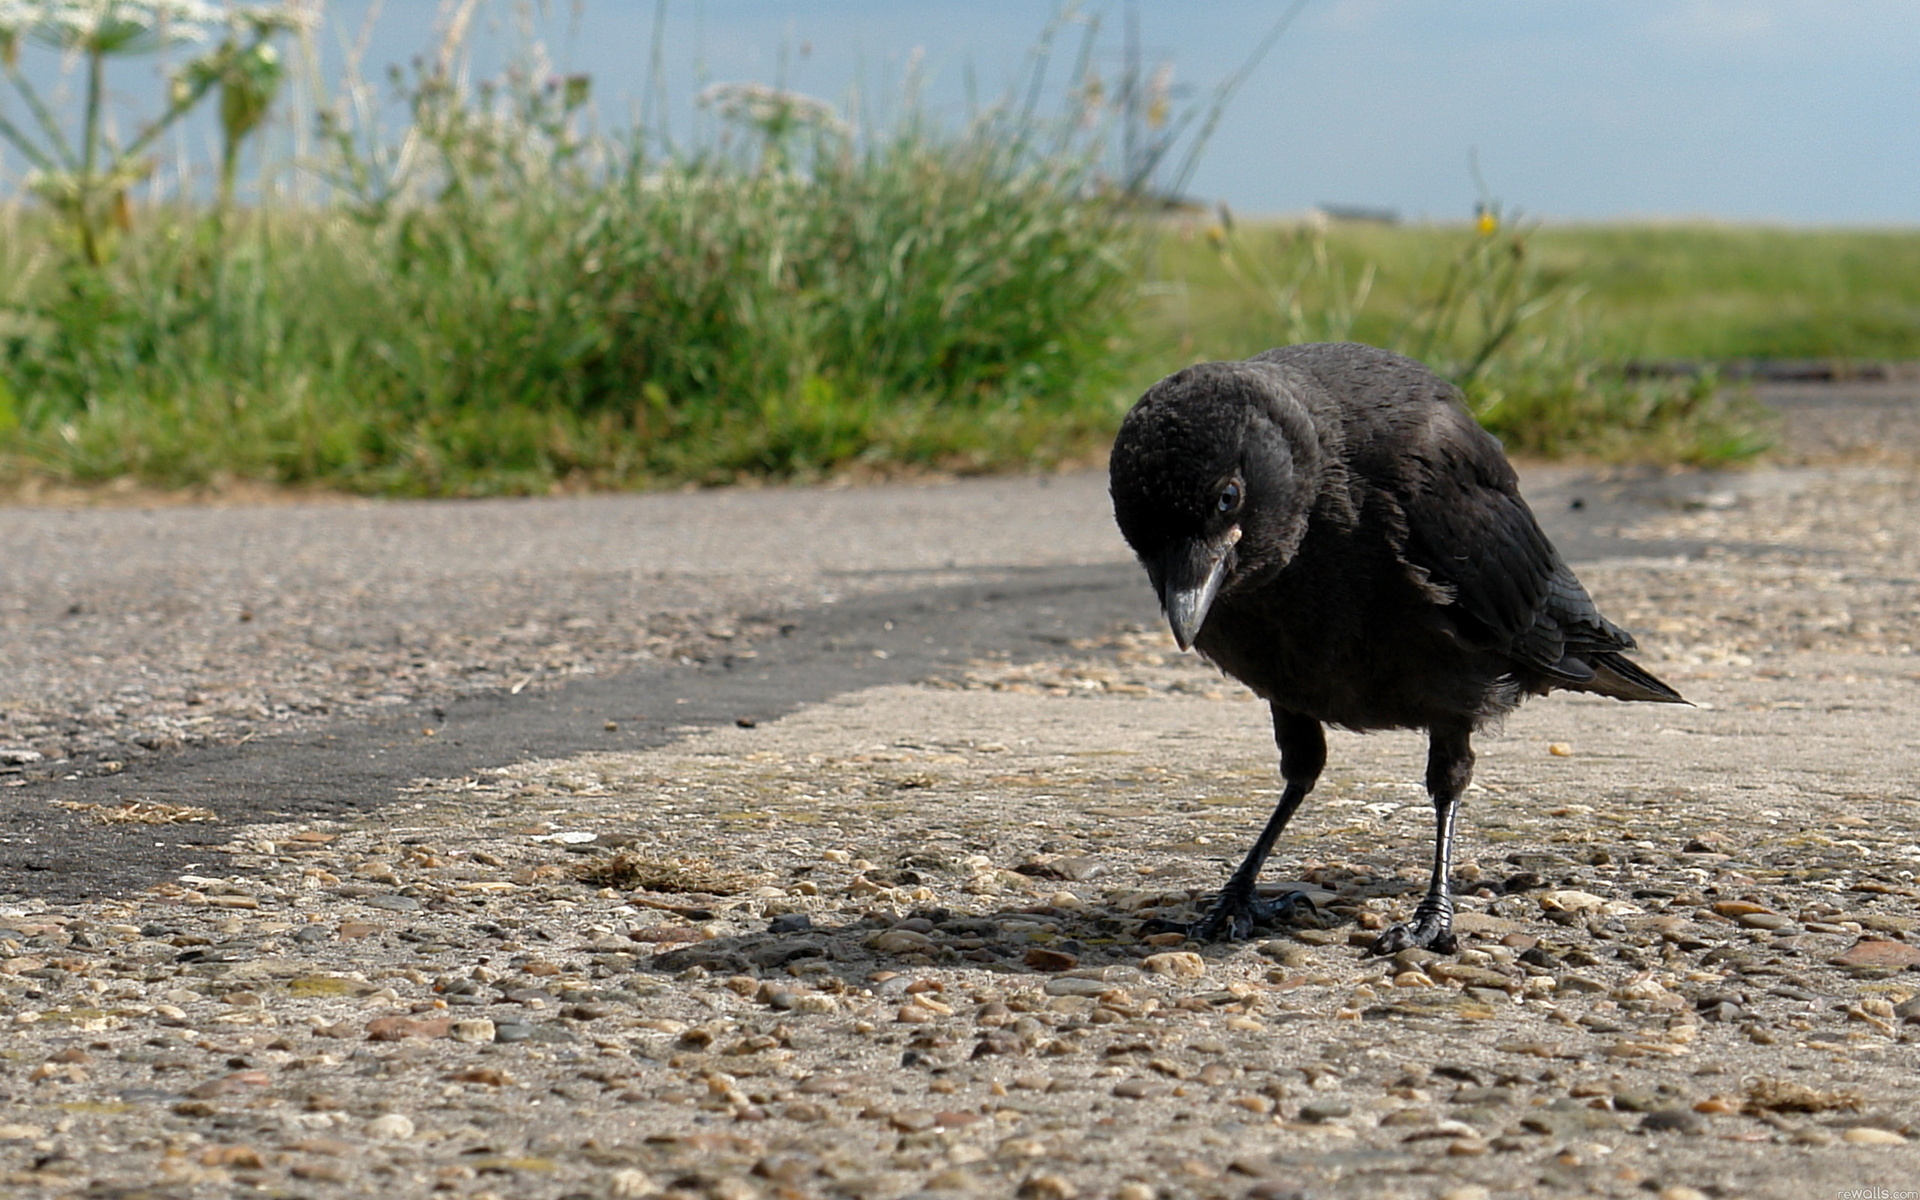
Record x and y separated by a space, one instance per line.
1213 477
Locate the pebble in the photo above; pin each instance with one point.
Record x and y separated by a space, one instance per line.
1176 964
477 1030
901 941
1672 1120
1570 900
1866 1135
1881 953
631 1183
1042 958
391 1127
1070 986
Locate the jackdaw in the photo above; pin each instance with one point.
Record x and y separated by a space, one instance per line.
1330 526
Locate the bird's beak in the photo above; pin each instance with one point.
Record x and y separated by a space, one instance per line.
1191 575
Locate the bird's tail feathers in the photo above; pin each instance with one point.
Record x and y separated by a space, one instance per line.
1617 676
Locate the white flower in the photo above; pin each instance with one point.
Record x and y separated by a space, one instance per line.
772 109
110 26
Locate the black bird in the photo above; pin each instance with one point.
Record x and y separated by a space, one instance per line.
1330 526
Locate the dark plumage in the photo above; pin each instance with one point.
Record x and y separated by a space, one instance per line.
1330 526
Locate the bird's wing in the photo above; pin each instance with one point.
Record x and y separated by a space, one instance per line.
1471 536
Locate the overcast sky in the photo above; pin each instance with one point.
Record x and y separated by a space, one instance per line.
1774 110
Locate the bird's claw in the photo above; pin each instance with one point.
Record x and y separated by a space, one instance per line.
1430 929
1233 916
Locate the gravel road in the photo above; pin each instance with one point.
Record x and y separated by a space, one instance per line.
796 843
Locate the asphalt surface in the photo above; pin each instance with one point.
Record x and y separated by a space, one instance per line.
852 587
846 588
786 843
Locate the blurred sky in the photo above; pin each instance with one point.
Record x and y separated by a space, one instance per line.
1776 110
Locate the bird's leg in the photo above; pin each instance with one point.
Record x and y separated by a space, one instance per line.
1303 752
1449 769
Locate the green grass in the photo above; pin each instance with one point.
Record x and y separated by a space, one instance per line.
512 306
539 318
928 301
1683 291
1601 296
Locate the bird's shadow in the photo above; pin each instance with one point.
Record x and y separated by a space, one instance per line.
1029 943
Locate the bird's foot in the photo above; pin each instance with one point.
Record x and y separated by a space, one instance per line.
1233 916
1430 929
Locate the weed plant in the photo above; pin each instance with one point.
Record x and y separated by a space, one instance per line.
1540 361
497 303
490 300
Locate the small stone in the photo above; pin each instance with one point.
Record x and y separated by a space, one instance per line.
1681 1191
391 1127
476 1030
999 1041
351 930
1631 1100
393 1029
901 941
1908 1010
1069 985
1176 964
1867 1135
512 1031
244 1157
1047 1186
952 1180
1041 958
1672 1120
1875 952
1322 1111
1569 900
393 903
1140 1089
631 1183
1469 976
1765 920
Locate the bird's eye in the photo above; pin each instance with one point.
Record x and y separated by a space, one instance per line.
1230 498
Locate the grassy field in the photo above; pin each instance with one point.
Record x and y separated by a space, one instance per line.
492 298
933 309
1637 291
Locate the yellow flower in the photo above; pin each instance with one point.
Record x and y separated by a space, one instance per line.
1486 221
